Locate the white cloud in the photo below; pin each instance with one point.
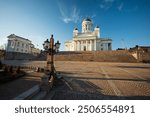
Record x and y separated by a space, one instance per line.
94 15
106 4
75 15
69 15
102 6
120 7
67 20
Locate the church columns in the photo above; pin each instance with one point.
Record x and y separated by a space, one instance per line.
95 44
81 48
82 45
78 45
74 45
86 45
91 45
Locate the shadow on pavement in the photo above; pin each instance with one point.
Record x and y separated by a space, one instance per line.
121 79
14 88
137 67
85 90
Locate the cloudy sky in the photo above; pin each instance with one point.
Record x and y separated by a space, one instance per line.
127 22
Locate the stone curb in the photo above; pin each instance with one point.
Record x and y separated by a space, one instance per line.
28 94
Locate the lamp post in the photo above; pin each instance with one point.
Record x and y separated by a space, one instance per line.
51 48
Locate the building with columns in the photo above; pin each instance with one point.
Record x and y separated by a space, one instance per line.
20 44
88 40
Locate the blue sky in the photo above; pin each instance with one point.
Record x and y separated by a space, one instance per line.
126 22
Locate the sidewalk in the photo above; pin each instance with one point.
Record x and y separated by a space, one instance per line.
14 88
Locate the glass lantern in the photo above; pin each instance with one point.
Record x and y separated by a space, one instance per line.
46 45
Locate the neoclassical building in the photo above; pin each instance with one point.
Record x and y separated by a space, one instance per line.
88 40
20 44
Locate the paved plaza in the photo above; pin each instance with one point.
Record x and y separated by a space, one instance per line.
14 88
104 80
89 80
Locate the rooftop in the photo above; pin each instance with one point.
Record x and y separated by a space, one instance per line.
87 19
15 36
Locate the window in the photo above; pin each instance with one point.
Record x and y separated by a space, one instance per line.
18 43
9 43
12 44
23 45
26 45
86 27
109 46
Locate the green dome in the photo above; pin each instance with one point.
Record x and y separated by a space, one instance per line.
87 19
76 29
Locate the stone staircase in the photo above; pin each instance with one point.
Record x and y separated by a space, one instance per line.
100 56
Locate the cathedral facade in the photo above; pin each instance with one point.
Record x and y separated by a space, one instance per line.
88 40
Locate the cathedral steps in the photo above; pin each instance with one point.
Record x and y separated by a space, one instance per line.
101 56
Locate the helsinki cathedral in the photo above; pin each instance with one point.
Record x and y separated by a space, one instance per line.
88 40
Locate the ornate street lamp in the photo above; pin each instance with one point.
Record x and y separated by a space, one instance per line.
46 45
57 46
51 48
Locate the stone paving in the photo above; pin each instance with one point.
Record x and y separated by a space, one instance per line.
16 87
88 80
102 80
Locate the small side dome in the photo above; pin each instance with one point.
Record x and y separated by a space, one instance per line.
75 28
97 26
87 19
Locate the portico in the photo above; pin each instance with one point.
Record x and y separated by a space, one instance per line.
88 40
84 45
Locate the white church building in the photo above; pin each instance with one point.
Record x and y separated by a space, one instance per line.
88 40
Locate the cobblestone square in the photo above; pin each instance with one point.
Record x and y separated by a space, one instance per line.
87 80
105 80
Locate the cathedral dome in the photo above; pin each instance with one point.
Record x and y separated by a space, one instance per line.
87 19
87 25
